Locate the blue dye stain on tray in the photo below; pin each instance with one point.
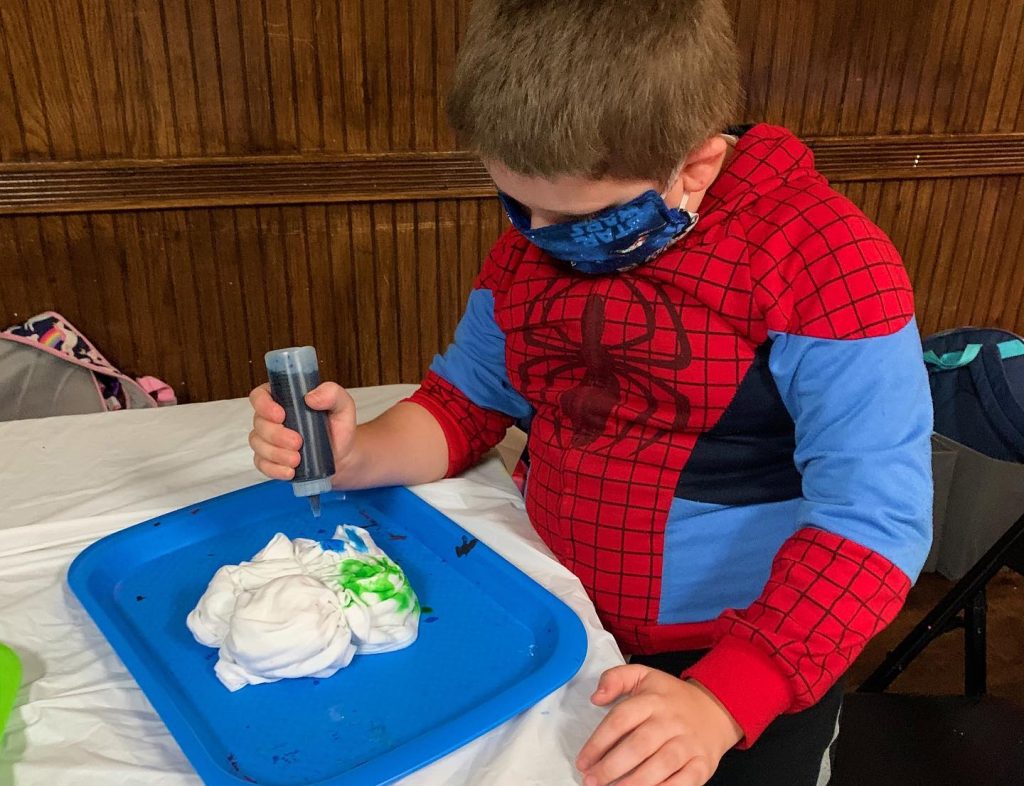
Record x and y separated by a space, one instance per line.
493 643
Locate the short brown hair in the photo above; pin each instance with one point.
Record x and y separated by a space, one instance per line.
594 88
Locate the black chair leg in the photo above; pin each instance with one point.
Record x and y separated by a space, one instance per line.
946 616
975 665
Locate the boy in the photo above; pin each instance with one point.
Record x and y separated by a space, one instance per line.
728 419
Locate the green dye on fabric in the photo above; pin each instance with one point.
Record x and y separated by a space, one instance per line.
378 576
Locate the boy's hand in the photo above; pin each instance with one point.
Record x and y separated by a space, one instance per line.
667 731
276 448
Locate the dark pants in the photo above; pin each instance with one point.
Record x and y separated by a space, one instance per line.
790 751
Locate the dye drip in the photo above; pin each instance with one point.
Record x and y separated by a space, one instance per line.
294 372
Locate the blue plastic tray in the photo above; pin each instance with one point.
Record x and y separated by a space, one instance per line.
492 641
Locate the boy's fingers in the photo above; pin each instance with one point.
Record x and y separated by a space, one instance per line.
271 453
264 405
275 434
631 752
616 681
275 471
696 773
619 722
669 764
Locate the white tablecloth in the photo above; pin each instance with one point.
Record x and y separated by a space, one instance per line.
81 719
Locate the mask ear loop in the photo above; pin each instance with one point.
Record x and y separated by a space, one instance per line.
668 187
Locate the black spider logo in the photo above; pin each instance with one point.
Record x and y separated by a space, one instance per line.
609 370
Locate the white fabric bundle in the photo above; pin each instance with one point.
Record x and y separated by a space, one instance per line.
300 610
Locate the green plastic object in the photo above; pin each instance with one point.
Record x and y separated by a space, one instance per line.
10 679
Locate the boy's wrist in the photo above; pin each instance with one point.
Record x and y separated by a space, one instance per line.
730 731
746 682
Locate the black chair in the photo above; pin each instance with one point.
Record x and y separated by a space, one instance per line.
905 740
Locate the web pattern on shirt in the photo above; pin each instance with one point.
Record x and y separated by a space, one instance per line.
826 598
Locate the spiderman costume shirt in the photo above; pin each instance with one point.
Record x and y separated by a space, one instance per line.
729 444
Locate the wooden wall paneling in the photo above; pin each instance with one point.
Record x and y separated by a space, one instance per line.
155 65
277 294
428 273
348 352
186 313
410 349
299 283
375 46
316 250
256 74
229 83
208 286
324 28
105 81
1010 293
468 228
353 66
198 21
182 77
282 66
449 286
445 46
425 94
983 293
23 73
255 301
365 284
16 276
384 270
148 336
119 310
309 88
12 136
132 86
399 41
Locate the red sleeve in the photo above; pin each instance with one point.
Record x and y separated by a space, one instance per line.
827 596
470 430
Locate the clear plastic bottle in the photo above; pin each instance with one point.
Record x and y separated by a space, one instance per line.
293 372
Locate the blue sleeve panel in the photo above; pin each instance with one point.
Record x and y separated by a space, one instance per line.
475 361
863 415
719 557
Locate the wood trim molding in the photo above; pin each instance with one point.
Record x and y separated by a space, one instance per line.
91 186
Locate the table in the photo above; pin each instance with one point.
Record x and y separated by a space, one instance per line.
81 719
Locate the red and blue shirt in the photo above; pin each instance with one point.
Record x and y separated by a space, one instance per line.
728 445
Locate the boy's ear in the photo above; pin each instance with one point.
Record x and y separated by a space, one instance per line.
702 165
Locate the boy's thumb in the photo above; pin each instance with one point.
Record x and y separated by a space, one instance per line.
328 397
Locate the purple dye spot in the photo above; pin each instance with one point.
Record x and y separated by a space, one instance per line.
430 619
370 520
394 536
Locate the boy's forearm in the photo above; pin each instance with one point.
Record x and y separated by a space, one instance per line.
402 447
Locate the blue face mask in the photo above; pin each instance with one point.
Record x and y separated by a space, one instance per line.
611 240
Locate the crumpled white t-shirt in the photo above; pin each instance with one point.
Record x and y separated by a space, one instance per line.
297 609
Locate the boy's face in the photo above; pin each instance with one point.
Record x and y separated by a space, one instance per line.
568 197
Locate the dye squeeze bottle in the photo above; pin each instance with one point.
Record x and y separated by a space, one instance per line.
293 372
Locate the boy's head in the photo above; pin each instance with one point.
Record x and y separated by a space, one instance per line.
605 97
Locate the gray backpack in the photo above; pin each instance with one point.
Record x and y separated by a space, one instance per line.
47 367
